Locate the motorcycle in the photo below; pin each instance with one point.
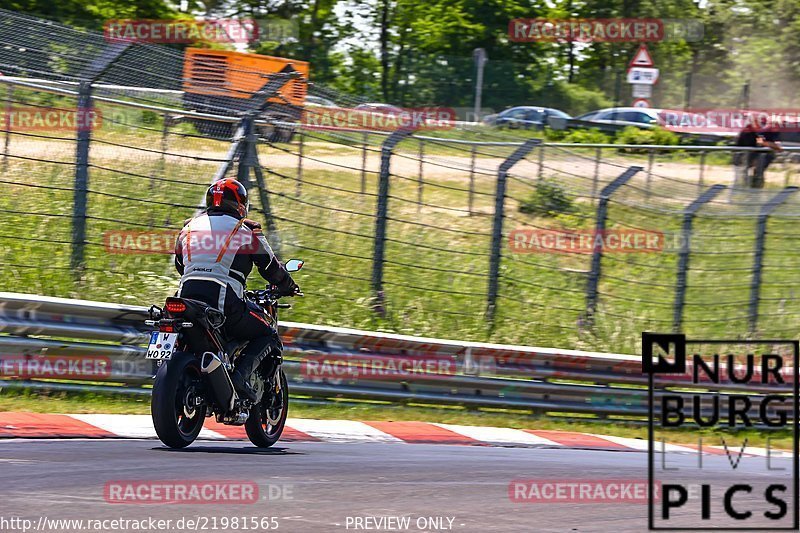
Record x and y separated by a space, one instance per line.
193 381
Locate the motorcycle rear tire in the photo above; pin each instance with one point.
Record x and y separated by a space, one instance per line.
167 405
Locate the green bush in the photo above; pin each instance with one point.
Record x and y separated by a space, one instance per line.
665 137
634 135
587 136
548 199
149 117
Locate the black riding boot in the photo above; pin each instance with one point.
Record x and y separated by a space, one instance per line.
254 353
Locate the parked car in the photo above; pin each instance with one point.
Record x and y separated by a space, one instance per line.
319 101
642 117
524 117
374 107
682 122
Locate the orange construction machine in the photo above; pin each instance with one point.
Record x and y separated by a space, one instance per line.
223 82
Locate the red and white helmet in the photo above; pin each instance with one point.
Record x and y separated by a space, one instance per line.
228 195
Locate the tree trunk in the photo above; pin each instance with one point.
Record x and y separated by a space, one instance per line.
385 49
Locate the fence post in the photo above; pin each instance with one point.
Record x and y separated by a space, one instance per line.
383 208
471 199
243 150
364 163
9 111
541 161
758 259
263 194
683 253
81 177
85 119
596 179
497 224
702 169
162 164
420 182
650 155
600 226
299 165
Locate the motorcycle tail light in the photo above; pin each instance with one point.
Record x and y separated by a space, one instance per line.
167 328
175 306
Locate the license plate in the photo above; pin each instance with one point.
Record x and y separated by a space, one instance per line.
161 346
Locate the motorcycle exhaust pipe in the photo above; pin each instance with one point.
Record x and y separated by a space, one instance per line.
221 384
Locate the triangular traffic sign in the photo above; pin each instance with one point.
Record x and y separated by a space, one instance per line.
641 58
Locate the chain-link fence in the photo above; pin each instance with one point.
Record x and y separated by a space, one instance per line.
463 232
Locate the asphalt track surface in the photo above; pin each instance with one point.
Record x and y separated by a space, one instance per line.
329 482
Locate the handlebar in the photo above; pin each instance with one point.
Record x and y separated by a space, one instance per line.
270 294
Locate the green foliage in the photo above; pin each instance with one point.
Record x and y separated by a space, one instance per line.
149 117
572 97
414 52
548 199
634 135
589 136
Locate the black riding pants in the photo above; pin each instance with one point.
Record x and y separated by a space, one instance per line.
244 320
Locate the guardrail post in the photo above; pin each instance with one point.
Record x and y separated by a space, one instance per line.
471 199
382 210
683 254
758 259
497 225
600 227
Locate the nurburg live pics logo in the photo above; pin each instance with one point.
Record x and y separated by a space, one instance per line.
715 388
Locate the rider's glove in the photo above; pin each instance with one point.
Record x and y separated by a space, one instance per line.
288 287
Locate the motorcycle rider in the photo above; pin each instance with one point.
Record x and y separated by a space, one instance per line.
217 275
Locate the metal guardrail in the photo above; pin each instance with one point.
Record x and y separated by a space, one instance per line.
324 363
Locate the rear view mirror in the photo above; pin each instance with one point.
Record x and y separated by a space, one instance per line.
293 265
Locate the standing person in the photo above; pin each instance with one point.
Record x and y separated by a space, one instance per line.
750 166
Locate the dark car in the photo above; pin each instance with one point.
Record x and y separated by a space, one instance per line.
524 117
641 117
